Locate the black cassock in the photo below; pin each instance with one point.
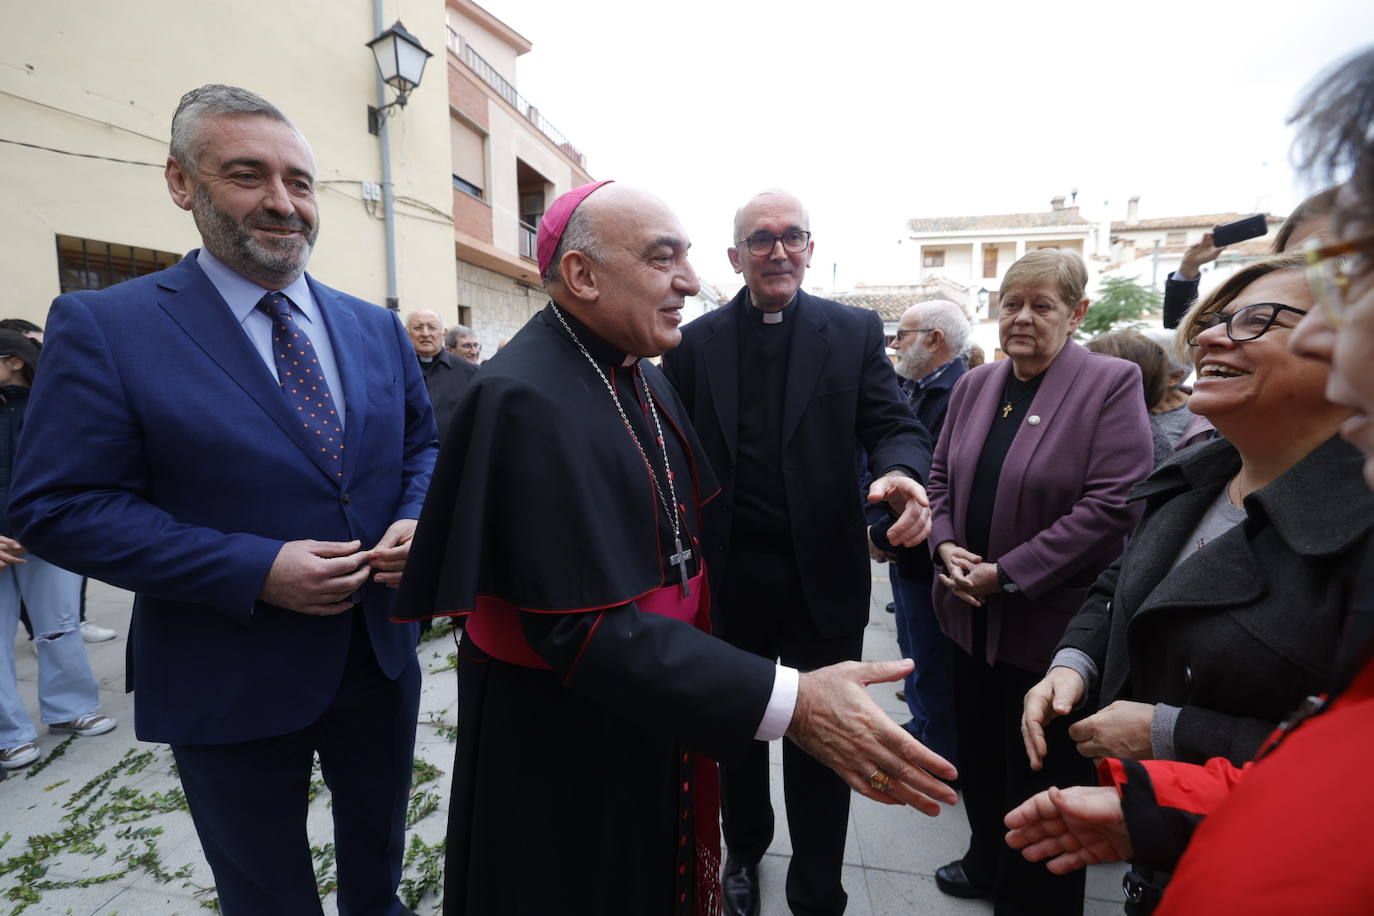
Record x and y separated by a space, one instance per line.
575 789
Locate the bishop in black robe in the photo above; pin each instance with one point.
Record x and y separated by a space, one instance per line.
578 789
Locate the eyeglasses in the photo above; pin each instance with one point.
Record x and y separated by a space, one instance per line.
1332 268
793 241
1243 324
897 338
470 345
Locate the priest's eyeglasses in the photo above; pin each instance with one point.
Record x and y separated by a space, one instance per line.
1248 323
1332 268
902 332
794 241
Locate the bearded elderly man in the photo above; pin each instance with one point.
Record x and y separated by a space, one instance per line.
563 524
930 338
247 449
446 376
781 385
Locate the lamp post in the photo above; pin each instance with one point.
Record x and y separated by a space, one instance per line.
400 64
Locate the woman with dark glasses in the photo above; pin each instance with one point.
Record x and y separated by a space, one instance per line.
1222 614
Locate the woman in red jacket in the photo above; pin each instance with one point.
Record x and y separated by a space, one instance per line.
1287 832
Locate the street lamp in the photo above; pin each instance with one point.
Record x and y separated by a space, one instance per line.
400 63
982 300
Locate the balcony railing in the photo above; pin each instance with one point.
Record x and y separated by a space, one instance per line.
529 237
487 73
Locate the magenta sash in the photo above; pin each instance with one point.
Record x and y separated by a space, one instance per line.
495 625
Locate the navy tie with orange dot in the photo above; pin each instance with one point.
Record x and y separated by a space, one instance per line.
298 370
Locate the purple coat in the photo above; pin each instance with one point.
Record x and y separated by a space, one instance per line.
1061 515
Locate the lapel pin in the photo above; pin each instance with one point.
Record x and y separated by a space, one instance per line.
1033 419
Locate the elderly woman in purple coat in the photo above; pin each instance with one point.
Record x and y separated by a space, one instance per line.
1029 502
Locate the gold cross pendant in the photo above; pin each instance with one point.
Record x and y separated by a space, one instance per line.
1006 411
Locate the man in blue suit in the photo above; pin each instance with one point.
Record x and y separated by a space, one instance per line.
247 449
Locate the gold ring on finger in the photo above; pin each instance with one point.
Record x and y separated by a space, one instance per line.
879 781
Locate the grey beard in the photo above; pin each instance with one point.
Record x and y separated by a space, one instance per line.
910 368
230 241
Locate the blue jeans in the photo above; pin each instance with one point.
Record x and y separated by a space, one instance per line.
66 686
930 688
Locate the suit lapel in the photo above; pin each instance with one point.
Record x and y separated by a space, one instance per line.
805 363
193 303
720 354
346 337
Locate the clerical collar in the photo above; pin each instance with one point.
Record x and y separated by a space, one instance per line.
601 351
759 316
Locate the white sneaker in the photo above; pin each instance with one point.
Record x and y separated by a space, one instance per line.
21 756
87 726
94 632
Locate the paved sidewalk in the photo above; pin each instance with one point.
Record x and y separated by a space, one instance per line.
891 853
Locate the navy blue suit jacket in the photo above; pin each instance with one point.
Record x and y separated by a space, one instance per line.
840 391
160 455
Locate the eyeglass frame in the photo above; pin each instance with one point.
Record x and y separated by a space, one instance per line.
1218 318
1330 291
896 336
748 242
476 344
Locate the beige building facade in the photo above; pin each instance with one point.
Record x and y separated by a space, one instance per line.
509 163
87 93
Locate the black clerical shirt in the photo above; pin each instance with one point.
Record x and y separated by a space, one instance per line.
760 510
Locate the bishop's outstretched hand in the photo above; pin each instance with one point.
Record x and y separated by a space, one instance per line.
837 722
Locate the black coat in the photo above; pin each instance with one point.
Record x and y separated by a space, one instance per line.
446 379
840 390
13 400
1246 627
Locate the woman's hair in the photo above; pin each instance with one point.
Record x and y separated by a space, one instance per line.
1145 353
1333 120
1235 284
1315 207
1062 271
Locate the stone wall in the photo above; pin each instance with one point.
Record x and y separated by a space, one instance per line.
499 305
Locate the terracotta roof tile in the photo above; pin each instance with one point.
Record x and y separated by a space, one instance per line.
1045 219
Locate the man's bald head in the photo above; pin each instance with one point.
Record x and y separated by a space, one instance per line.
426 330
621 269
771 197
930 334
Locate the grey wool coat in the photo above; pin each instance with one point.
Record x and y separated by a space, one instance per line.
1245 628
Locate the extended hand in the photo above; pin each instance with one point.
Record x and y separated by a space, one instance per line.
1200 252
10 551
1119 730
837 722
315 577
389 556
1056 695
1078 826
909 499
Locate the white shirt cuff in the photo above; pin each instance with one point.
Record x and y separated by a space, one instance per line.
783 702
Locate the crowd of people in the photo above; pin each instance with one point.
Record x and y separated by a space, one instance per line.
1136 608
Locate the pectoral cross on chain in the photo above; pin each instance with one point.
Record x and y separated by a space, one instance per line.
1006 411
679 560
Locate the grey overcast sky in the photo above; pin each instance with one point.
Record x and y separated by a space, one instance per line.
876 112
